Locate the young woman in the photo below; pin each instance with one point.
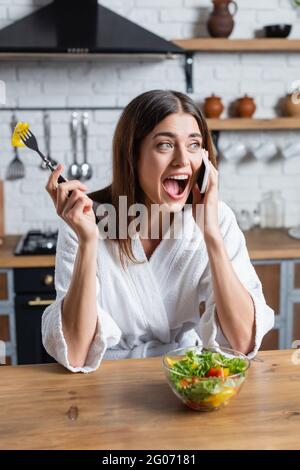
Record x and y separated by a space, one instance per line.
123 297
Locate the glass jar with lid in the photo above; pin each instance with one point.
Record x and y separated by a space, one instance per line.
272 210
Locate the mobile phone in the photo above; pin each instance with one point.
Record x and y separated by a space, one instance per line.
202 178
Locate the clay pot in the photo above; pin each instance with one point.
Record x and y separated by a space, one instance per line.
220 23
213 106
291 105
245 107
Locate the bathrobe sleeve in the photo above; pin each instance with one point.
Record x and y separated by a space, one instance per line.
209 328
107 333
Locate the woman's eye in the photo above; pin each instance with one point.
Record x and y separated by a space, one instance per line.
195 145
164 145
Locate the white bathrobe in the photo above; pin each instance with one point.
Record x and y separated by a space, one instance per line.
152 308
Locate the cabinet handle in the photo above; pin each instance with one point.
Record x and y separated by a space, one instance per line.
38 301
48 280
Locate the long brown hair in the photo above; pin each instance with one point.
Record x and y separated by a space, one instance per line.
138 119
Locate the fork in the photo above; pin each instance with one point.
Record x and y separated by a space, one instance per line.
29 139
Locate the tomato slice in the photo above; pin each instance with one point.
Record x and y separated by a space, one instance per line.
213 372
218 372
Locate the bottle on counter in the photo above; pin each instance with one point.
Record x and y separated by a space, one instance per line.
245 220
256 218
272 210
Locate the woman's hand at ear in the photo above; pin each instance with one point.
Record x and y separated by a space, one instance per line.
207 205
75 209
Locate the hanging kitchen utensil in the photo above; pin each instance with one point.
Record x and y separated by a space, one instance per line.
16 168
86 168
74 169
47 134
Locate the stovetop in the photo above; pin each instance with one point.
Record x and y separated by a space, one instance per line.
36 242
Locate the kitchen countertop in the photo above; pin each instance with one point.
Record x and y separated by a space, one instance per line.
271 244
127 404
8 260
261 243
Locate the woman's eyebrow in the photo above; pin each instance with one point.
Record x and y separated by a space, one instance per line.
171 134
195 134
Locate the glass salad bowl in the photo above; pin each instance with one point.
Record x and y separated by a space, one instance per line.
205 379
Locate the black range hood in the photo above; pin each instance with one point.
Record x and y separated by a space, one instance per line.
80 26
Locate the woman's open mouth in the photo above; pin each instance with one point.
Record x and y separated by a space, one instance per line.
176 186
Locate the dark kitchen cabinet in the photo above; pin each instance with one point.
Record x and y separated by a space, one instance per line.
28 328
34 290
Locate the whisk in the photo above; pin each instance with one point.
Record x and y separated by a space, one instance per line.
16 168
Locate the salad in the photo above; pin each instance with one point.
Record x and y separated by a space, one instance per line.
206 380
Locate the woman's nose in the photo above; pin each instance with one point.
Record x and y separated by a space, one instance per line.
180 159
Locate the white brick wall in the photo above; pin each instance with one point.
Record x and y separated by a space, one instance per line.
113 82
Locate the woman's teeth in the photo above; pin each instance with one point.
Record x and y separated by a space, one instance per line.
179 177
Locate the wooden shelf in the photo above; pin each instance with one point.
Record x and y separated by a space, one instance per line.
238 45
253 124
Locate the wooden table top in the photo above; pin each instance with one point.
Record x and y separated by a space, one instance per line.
127 404
261 244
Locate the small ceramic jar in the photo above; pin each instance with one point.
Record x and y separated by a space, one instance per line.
213 106
291 105
245 107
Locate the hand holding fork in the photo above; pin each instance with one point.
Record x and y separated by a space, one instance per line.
71 204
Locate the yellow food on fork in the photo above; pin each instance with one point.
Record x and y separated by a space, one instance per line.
20 129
